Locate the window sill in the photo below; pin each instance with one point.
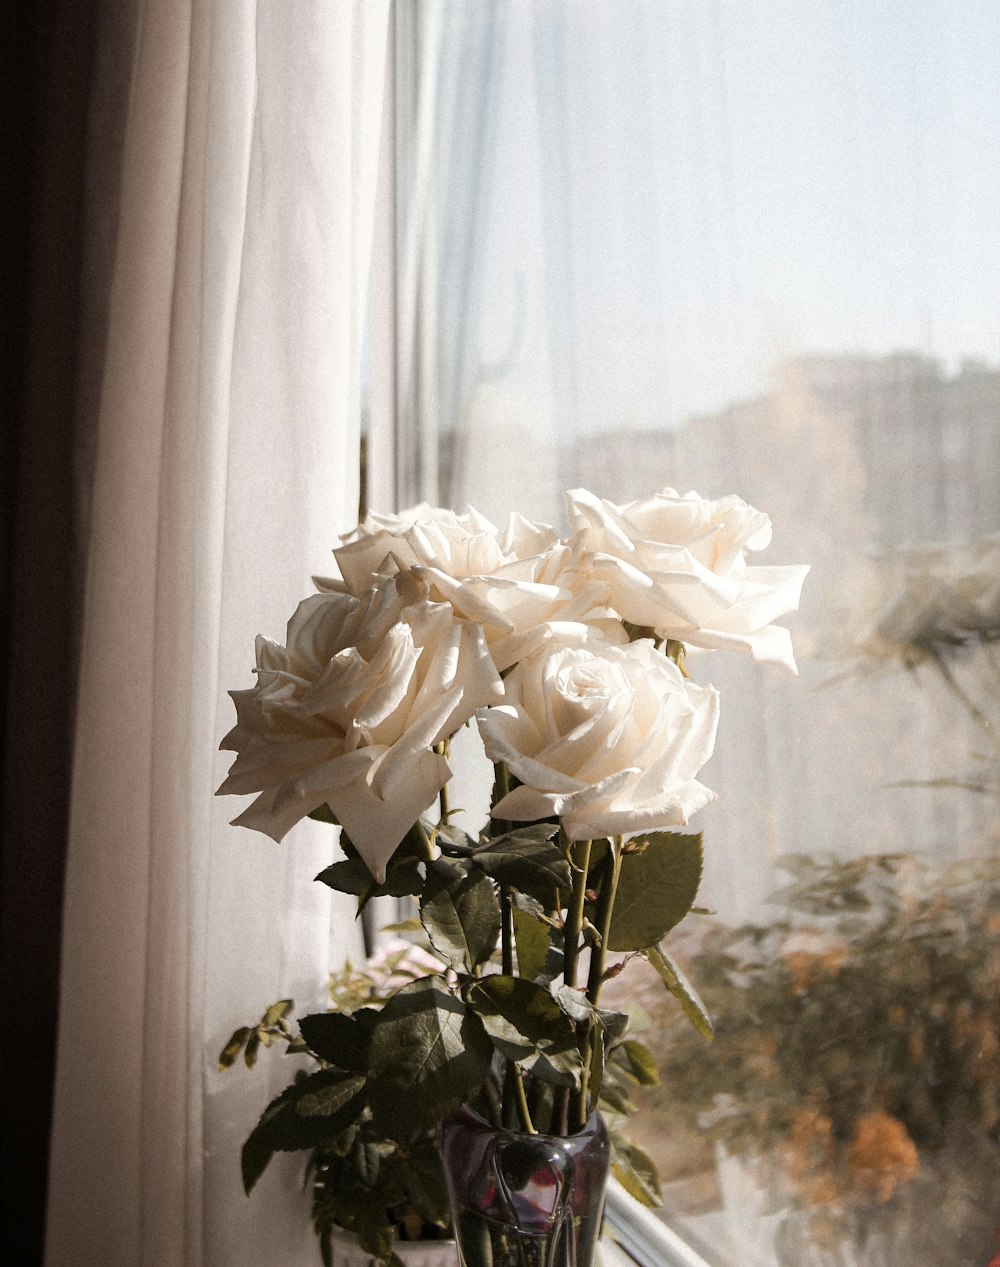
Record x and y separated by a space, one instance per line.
635 1233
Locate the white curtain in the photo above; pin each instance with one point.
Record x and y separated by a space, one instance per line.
735 248
226 463
747 248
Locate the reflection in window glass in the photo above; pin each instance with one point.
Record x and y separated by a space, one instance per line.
753 249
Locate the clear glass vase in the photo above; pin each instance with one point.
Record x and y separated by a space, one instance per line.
521 1200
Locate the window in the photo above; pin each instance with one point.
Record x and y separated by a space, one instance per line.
753 249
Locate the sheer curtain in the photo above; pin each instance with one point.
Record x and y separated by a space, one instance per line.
735 248
752 249
226 463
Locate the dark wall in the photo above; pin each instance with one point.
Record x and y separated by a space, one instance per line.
47 56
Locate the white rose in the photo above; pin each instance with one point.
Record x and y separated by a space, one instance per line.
347 712
514 581
456 544
608 738
677 565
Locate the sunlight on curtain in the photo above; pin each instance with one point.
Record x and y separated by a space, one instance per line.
227 464
753 249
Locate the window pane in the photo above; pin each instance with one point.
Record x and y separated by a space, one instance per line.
754 249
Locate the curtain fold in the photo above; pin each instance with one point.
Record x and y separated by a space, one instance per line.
226 463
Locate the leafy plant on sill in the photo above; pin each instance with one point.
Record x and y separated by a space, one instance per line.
380 1188
856 1041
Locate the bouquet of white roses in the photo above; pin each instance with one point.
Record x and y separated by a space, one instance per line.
569 656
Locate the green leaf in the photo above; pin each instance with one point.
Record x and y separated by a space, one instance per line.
339 1039
252 1048
426 1183
455 837
527 1024
531 939
429 1053
403 879
579 1008
641 1064
411 925
615 1023
636 1171
323 814
615 1096
682 990
460 913
232 1049
278 1011
413 847
657 887
527 860
322 1102
574 1003
553 966
370 1223
332 1100
607 1027
367 1161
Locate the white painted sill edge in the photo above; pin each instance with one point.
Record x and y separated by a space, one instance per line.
641 1235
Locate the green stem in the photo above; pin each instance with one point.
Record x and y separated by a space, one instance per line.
442 750
581 1101
501 788
493 1103
603 913
513 1088
443 803
425 840
506 932
522 1101
574 912
579 860
595 979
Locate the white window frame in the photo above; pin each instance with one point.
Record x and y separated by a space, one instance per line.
643 1236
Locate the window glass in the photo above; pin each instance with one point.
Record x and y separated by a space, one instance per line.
754 249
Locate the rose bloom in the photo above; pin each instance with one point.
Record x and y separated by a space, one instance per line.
347 712
677 565
459 544
609 738
515 582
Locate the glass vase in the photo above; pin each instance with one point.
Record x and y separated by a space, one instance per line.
521 1200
